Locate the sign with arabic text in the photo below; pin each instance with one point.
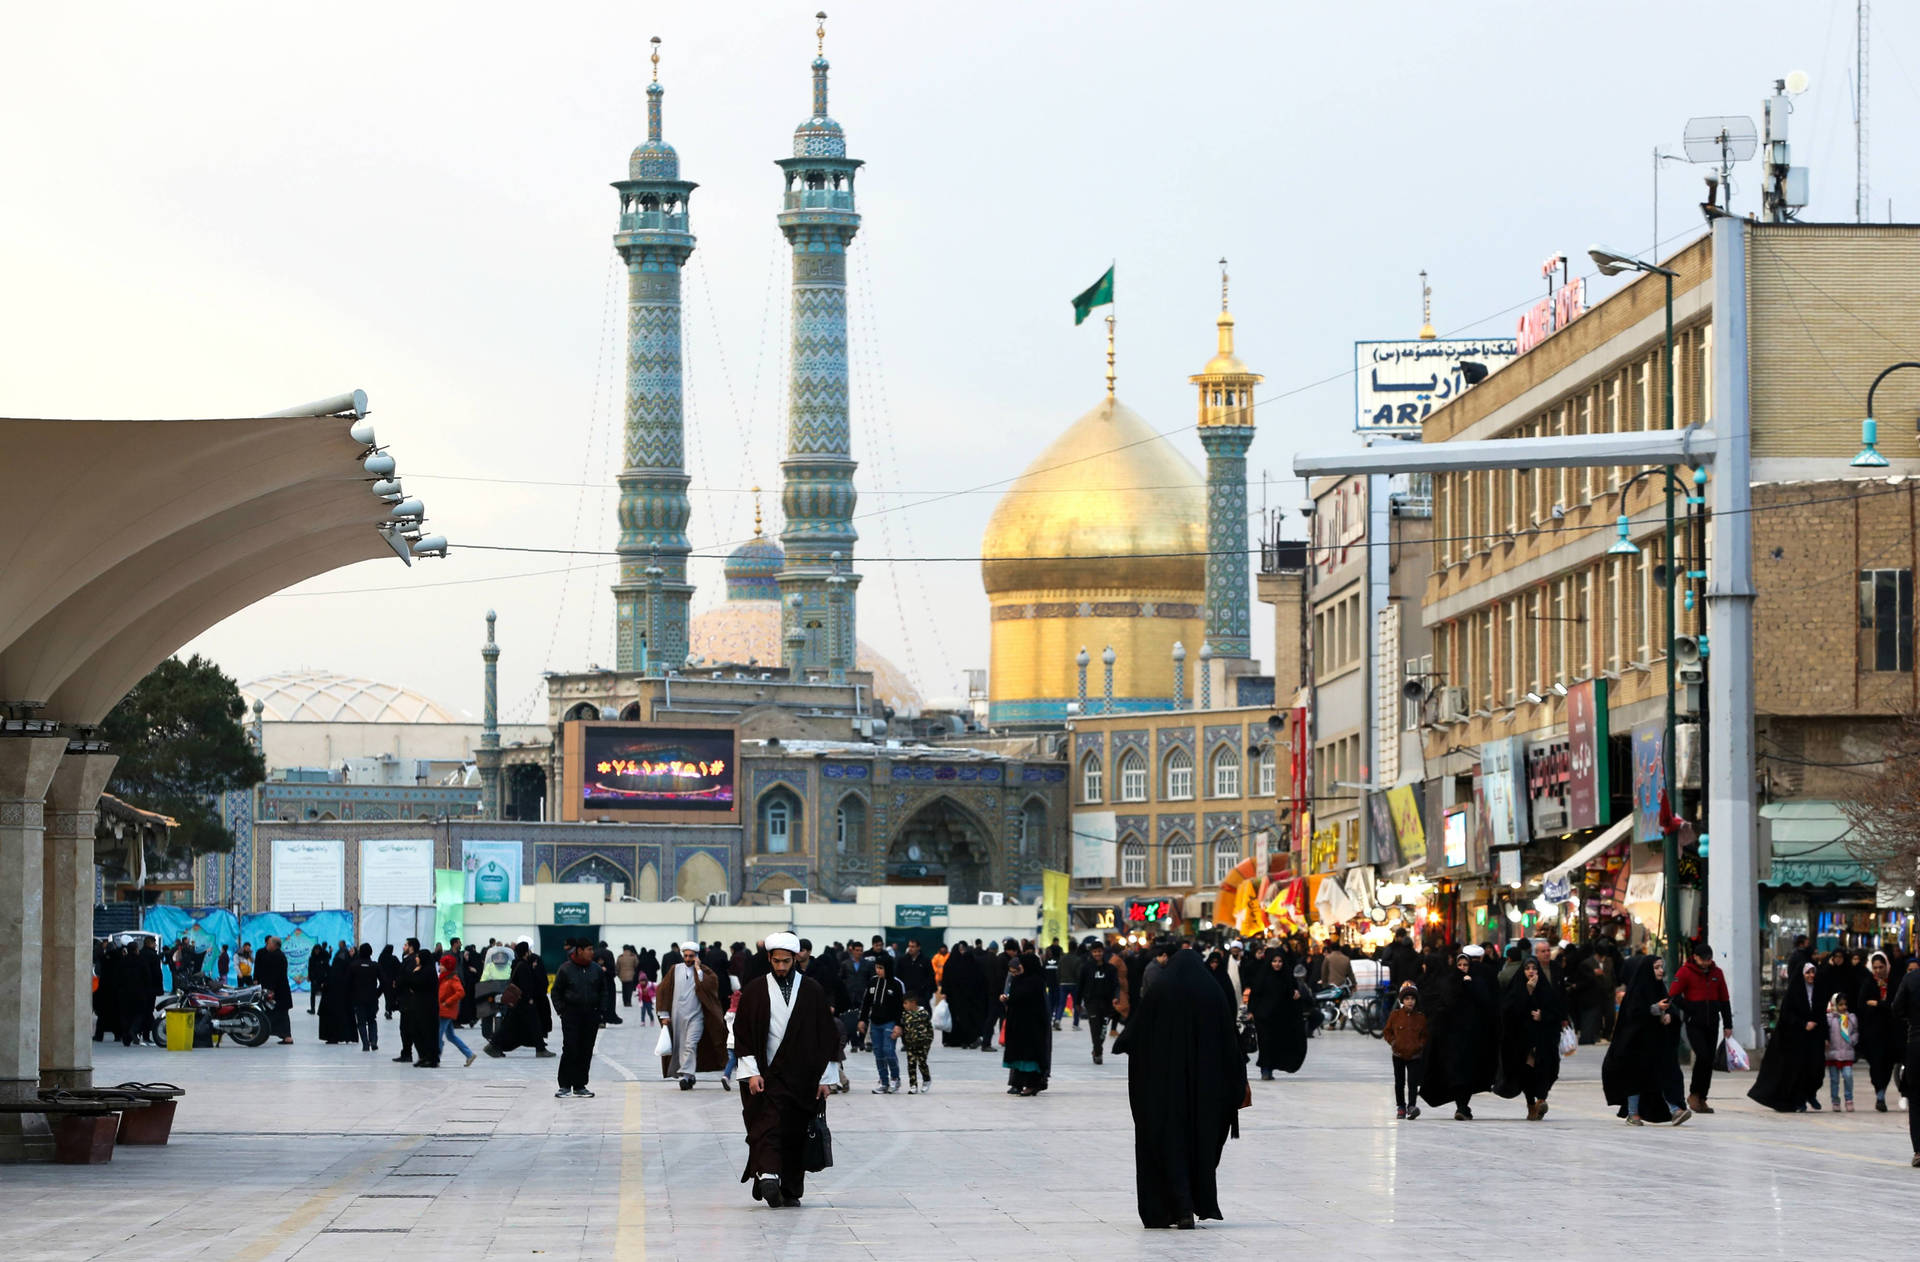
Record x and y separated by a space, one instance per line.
1587 781
1396 385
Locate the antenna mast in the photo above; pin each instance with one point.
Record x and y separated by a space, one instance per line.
1863 18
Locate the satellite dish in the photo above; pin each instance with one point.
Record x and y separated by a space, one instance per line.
1797 83
1720 138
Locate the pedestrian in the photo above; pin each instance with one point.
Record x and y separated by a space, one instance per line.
693 1009
1217 965
1186 1082
964 985
1028 1052
578 997
628 969
270 967
1276 997
915 972
1050 968
1531 1017
916 1040
1906 1011
998 968
223 963
1641 1071
243 965
389 978
451 991
788 1044
1699 991
643 986
336 999
1878 1043
423 1005
1790 1071
364 996
1843 1034
496 974
880 1010
470 966
1406 1037
523 1015
1072 964
610 987
1463 1035
317 961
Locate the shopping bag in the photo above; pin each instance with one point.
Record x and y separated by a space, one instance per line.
1569 1041
1736 1054
942 1017
664 1045
819 1143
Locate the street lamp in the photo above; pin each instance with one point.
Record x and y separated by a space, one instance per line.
1870 457
1612 263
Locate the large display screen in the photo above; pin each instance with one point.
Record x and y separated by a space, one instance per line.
656 768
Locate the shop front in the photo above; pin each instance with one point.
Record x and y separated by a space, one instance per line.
1813 885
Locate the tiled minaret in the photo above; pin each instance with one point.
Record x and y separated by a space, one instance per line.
818 220
1226 431
487 757
654 243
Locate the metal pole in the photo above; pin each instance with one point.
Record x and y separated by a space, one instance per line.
1670 842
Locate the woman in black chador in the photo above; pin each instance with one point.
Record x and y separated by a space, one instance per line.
1795 1060
1530 1018
1186 1082
336 998
1278 1003
965 987
1463 1048
1641 1071
1028 1054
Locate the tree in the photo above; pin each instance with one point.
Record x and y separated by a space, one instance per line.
181 744
1885 811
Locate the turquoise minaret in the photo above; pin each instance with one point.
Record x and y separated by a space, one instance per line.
818 220
487 757
654 243
1226 431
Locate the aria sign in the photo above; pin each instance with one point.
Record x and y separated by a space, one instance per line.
1397 385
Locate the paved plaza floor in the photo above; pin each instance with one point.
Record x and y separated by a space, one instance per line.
329 1154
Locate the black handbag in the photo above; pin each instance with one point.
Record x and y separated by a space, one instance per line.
819 1143
1249 1035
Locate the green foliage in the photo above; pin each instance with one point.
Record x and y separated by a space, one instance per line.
181 741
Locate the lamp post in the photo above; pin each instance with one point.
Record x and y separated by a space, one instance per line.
1870 457
1612 263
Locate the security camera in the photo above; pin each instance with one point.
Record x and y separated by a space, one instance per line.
379 464
1307 508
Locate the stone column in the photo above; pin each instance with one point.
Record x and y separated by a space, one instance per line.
66 962
27 764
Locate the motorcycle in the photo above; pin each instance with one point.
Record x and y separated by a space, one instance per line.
1331 1001
241 1013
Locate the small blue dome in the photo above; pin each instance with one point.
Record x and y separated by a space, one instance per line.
751 567
653 160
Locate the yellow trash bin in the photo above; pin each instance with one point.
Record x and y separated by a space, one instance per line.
179 1031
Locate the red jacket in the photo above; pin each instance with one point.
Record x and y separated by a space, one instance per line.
1701 992
451 993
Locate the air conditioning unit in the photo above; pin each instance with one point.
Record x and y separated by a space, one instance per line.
1452 705
795 895
993 900
719 900
1686 755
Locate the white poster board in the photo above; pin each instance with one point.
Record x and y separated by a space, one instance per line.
309 875
396 871
1095 848
1397 385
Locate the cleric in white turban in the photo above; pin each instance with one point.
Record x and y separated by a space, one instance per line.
785 1036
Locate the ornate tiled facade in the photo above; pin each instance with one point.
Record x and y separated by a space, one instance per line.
1228 598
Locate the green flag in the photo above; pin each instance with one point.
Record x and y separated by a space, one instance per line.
1098 294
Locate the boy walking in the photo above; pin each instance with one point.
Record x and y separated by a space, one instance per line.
916 1037
1406 1034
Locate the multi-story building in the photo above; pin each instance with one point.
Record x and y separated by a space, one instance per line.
1553 601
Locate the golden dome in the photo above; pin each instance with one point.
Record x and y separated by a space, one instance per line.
742 631
1109 506
1226 363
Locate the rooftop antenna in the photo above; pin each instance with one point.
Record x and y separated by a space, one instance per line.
1862 19
1783 194
1719 140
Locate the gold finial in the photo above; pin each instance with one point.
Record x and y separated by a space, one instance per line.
1109 356
1223 283
756 512
1426 308
820 32
656 59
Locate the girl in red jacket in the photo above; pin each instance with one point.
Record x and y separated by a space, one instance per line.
451 993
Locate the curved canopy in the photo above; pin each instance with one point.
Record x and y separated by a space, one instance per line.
120 541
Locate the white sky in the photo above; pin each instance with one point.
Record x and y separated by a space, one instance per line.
219 209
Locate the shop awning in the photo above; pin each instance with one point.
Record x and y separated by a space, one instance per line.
1591 851
1809 845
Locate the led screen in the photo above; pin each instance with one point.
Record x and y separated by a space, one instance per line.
656 768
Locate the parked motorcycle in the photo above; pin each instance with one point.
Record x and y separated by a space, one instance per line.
1331 1000
241 1013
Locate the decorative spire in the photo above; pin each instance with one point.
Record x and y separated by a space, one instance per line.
1110 356
1426 308
654 93
1223 283
820 66
756 512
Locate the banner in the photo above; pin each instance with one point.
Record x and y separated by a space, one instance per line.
299 932
309 875
1397 385
208 928
1095 845
449 904
1053 909
492 870
1587 799
1649 778
396 871
1405 808
1498 788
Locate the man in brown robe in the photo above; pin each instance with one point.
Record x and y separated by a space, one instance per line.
690 1008
787 1042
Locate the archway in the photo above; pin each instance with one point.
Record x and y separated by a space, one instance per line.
700 875
942 843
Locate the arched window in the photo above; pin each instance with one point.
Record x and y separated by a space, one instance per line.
1133 777
1033 827
1180 862
1266 772
1091 786
1226 773
1133 862
779 823
1179 775
1226 856
849 825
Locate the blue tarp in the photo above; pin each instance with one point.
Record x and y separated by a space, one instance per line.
208 928
299 932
